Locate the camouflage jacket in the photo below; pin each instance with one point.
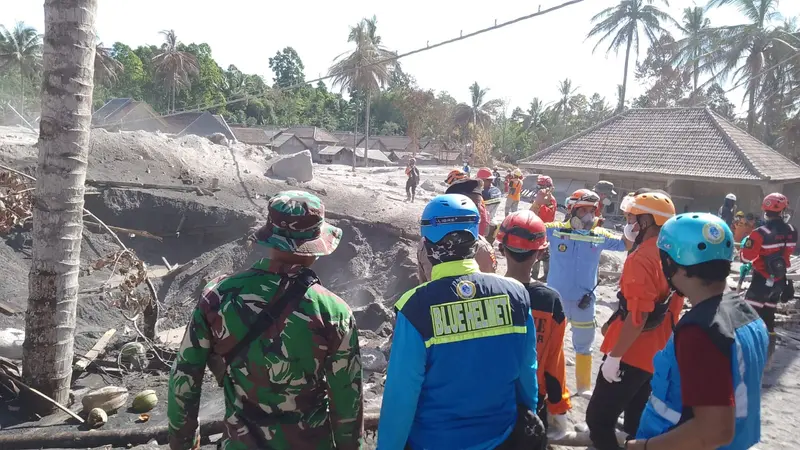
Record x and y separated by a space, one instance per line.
300 382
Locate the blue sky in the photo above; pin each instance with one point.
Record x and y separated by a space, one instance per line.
516 63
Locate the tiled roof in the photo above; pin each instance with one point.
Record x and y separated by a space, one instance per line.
376 155
345 138
179 122
447 156
420 155
331 150
252 136
281 139
394 142
688 142
315 133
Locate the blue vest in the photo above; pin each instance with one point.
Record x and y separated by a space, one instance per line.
474 327
741 335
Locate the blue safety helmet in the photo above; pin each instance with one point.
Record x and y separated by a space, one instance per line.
695 238
448 213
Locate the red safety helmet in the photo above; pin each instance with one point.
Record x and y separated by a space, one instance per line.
583 197
775 202
544 181
523 231
484 173
455 175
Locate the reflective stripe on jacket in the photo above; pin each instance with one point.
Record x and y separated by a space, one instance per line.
575 258
740 334
464 356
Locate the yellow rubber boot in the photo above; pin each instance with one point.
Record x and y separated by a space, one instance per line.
583 375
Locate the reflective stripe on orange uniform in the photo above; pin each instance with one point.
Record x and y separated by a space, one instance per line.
643 284
773 237
551 324
514 189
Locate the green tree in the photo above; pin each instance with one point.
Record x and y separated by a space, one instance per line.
416 105
621 25
476 117
667 86
744 49
693 52
130 82
287 67
175 67
365 70
21 51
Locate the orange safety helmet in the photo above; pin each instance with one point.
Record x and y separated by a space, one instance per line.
484 173
658 205
583 197
455 175
775 202
523 231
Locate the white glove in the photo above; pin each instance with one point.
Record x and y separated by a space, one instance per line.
610 369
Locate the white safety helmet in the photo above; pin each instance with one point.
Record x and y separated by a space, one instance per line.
731 197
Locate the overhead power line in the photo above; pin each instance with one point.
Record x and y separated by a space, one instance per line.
396 57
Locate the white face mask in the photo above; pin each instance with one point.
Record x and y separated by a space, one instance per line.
629 233
606 201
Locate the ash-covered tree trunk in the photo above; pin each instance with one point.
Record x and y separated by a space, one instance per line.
68 71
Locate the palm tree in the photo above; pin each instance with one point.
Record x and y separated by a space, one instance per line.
624 22
175 66
745 49
21 50
58 204
478 114
564 106
106 67
693 52
365 70
534 121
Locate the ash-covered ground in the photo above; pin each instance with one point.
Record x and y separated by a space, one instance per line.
204 236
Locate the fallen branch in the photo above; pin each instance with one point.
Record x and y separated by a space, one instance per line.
55 403
124 184
97 438
140 233
98 349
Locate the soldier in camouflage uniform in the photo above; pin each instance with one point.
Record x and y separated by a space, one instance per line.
298 384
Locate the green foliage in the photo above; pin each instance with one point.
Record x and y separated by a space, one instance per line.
288 68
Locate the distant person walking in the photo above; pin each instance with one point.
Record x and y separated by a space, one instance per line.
466 168
412 172
514 191
726 211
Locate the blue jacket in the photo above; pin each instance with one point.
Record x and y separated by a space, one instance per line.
463 357
575 258
741 335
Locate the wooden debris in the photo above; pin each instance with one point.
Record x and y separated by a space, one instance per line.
127 437
16 381
172 338
129 231
127 184
98 349
8 309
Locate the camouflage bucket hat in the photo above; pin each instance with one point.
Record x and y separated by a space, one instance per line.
296 224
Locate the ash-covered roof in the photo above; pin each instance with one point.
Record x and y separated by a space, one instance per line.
678 142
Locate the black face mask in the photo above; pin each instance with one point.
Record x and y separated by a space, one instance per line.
670 268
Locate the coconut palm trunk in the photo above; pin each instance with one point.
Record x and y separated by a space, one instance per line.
366 129
22 92
67 82
621 105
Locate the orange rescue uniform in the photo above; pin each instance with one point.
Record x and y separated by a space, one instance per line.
515 189
643 284
741 230
551 324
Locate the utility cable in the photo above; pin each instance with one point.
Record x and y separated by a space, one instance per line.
396 57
